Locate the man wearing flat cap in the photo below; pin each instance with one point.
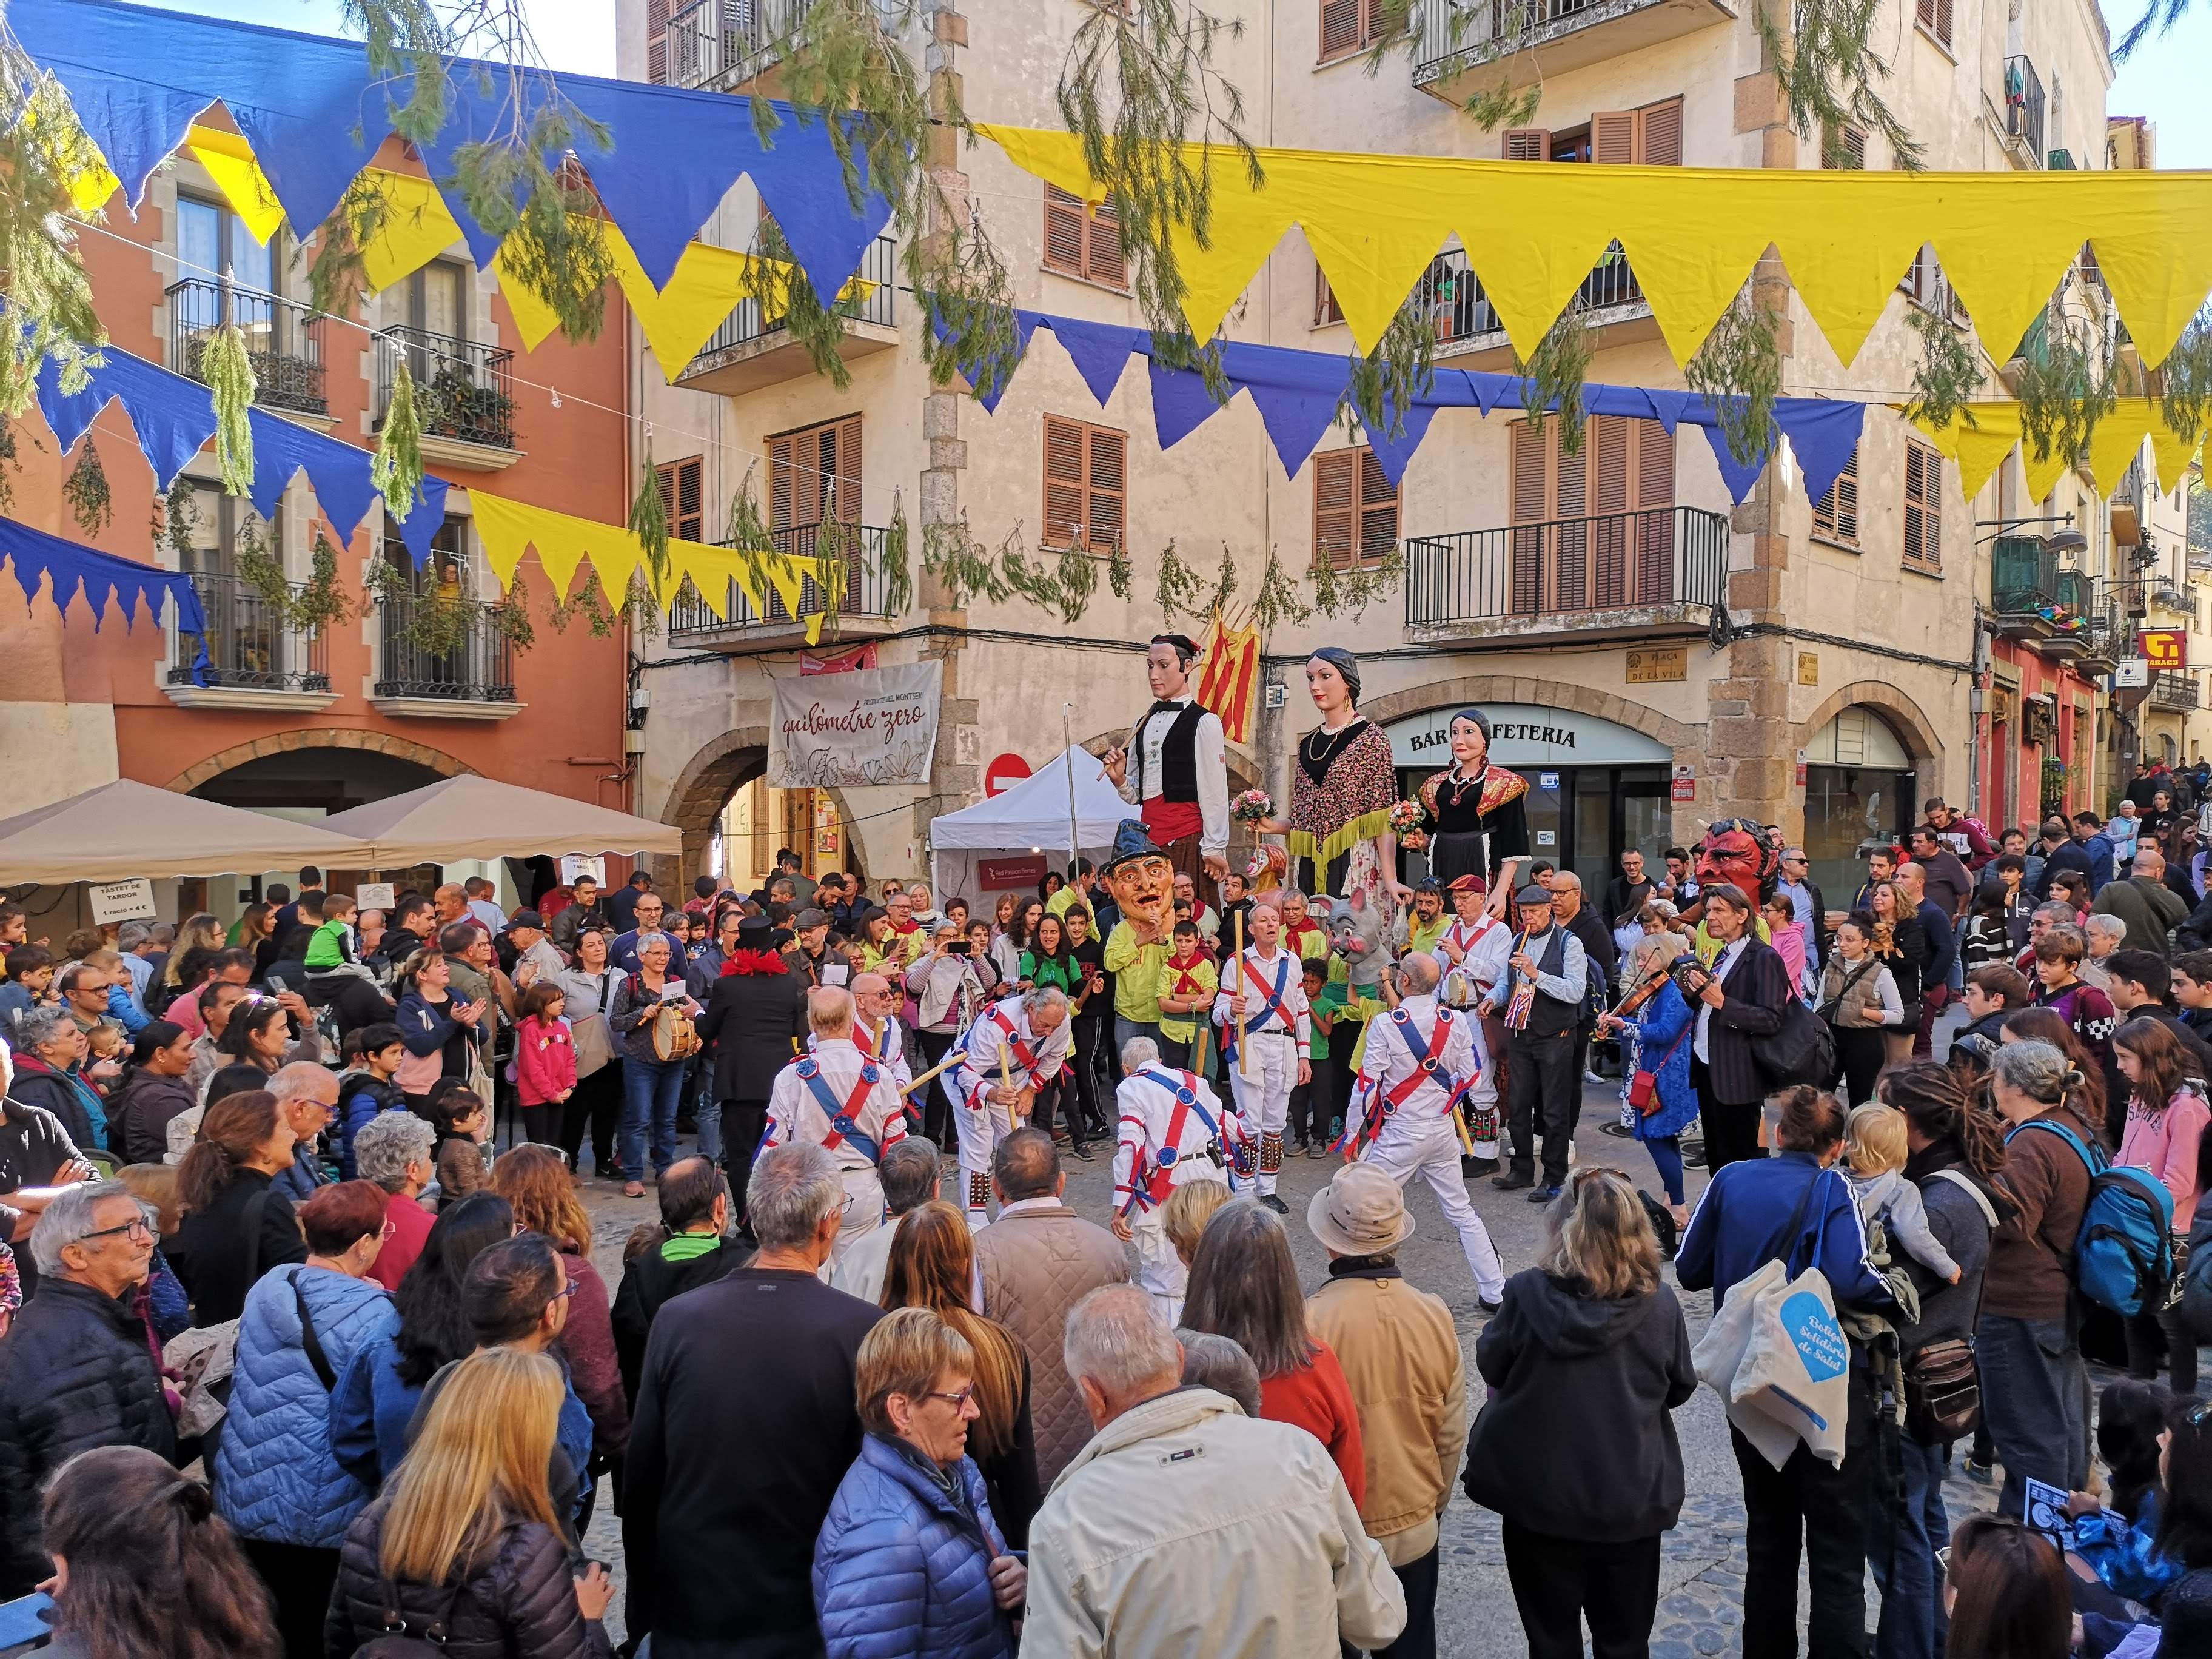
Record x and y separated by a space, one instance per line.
1175 771
1540 1000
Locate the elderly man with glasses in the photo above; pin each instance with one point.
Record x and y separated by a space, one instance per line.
74 1371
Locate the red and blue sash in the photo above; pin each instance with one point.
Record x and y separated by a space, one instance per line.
842 1124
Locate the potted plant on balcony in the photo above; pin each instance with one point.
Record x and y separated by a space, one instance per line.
456 406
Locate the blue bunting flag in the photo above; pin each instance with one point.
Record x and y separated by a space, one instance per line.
33 555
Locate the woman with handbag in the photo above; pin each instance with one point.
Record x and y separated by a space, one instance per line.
1859 1000
1659 1095
587 992
1955 1151
651 1016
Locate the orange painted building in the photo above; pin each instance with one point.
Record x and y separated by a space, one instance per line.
420 679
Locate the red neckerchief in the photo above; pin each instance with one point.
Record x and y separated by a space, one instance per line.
1294 931
755 961
1186 975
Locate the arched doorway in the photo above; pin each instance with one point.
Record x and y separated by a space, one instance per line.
731 817
1861 785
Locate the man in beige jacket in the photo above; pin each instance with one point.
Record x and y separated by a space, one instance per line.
1187 1530
1401 1360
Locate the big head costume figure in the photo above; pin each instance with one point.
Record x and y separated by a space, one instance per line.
1173 769
1141 877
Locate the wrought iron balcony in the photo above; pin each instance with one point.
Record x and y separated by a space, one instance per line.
2176 689
472 661
1462 311
1461 36
718 46
463 389
753 347
2023 101
1629 564
865 596
248 646
2023 587
283 339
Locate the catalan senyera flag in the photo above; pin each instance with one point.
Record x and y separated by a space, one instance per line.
1228 677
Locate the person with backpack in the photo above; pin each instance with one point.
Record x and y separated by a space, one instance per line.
2167 1116
2035 1390
1955 1152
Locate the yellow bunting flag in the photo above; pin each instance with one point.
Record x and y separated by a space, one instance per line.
1982 434
510 528
1533 231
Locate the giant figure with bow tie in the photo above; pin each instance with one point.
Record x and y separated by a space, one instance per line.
1179 780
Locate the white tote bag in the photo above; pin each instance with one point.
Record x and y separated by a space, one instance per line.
1797 1367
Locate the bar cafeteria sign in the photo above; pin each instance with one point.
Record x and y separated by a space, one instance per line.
872 726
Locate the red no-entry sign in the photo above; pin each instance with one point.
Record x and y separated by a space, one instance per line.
1003 772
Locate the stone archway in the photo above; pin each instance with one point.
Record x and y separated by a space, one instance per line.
1478 688
287 742
722 765
1900 713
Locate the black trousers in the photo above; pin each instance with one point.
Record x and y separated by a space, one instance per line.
1309 1107
1807 1508
936 1110
1090 1033
1542 1088
596 1106
1418 1579
743 1124
300 1581
1559 1582
1731 1127
1861 1053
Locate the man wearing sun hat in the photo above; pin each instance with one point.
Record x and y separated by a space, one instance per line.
1401 1360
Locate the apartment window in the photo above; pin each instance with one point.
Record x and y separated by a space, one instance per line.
1843 149
1836 514
1651 137
1086 484
1355 509
444 570
212 245
1935 18
656 41
682 498
1927 287
218 524
436 299
1348 26
1923 508
814 476
1594 530
1082 241
1326 309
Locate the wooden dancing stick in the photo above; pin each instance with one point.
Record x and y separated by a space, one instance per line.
945 1065
1243 1027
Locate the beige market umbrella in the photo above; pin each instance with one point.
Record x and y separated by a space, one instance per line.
127 828
476 818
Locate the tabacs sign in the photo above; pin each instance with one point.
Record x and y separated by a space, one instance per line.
2165 648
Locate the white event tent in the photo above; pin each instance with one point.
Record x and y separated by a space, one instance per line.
1031 817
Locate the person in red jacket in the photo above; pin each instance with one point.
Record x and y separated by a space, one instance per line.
545 1062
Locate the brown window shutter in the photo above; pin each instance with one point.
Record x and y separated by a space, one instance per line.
1653 485
1659 134
1341 31
1378 509
682 498
1531 505
1612 138
1336 508
1063 231
1836 514
656 41
782 465
1609 439
1923 517
1943 20
846 504
1572 542
1526 145
1102 247
1063 481
1845 149
1326 309
1106 485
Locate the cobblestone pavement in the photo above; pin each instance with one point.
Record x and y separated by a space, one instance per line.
1701 1588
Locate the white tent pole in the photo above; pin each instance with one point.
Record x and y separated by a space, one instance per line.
1068 759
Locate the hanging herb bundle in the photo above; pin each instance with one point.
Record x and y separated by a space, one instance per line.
897 577
1180 591
1278 600
180 518
396 470
950 553
1552 378
85 490
260 566
649 522
227 367
1121 574
1349 593
586 605
510 617
9 465
321 601
1739 368
43 148
1224 584
833 542
1949 373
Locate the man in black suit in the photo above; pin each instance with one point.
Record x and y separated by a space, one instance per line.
1740 997
753 1026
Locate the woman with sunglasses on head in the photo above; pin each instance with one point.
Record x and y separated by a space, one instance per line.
277 1479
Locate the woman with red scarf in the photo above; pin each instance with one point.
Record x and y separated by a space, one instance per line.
755 1024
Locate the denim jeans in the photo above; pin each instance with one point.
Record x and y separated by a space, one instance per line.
2035 1398
708 1114
651 1091
1901 1547
1124 1029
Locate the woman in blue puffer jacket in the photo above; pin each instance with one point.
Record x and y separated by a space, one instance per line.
909 1562
275 1480
1662 1031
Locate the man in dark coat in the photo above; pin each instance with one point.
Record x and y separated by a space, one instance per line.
1740 997
755 1024
75 1370
694 1214
745 1424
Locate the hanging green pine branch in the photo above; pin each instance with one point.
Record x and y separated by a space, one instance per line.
782 291
2186 380
1739 368
950 553
2066 384
649 522
42 282
85 490
1552 378
1949 376
898 577
228 368
967 302
846 55
1437 32
2159 16
1399 372
396 470
1829 71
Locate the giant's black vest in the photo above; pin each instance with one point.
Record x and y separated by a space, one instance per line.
1178 756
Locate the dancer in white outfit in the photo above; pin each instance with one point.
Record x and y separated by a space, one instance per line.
1262 1004
1421 1059
1474 956
1013 1049
844 1102
1172 1130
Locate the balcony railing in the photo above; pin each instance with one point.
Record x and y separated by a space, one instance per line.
866 586
714 46
2023 99
248 645
1668 556
2023 576
463 389
283 339
750 322
2174 689
477 665
1462 311
1457 33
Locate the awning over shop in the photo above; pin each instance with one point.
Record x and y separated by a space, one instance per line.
479 817
126 828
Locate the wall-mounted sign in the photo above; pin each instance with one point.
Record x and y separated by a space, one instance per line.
1525 736
873 726
1659 664
1800 768
1809 668
1685 783
1547 780
2130 674
1003 772
2165 647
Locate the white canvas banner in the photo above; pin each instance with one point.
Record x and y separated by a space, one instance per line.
841 731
